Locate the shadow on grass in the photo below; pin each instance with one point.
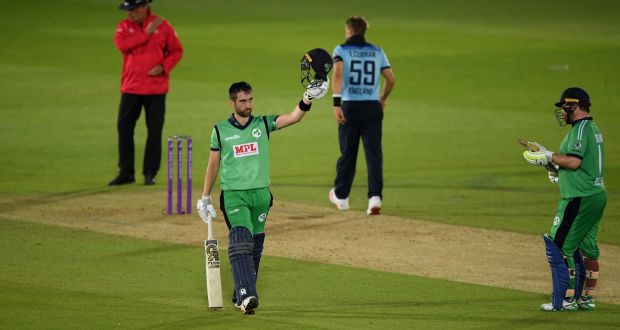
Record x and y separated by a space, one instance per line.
465 314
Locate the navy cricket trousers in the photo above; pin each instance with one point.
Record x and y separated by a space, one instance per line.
128 114
363 121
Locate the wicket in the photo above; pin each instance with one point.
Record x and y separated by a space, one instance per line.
179 157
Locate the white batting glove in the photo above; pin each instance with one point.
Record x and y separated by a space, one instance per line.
205 208
317 92
552 178
540 158
553 175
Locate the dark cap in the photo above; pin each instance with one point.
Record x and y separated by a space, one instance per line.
321 62
133 4
574 95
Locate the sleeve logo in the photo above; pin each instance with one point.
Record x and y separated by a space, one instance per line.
247 149
599 138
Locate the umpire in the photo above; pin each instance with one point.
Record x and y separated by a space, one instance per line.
358 107
151 49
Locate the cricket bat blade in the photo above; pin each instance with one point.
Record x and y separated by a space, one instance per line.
212 270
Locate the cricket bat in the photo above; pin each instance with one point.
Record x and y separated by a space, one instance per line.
531 146
212 267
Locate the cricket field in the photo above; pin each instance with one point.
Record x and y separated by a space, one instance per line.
459 242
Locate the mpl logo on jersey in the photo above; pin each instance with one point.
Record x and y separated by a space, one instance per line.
247 149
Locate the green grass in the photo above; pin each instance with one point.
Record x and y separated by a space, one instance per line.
66 278
471 78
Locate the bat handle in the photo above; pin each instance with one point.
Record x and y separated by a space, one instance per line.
210 235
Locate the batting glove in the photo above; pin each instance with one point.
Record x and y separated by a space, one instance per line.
552 178
316 92
553 172
540 147
540 158
205 208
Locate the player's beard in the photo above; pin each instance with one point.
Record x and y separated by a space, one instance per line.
244 113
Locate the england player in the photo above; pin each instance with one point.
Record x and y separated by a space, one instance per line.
240 153
358 107
571 246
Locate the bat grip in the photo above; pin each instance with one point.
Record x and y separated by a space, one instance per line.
210 235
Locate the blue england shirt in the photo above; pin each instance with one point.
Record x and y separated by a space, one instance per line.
361 70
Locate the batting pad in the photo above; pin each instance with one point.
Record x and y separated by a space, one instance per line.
559 273
240 247
257 252
580 273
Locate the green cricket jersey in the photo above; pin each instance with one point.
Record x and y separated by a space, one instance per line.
585 142
244 152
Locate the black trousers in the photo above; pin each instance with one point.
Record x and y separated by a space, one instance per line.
128 114
363 120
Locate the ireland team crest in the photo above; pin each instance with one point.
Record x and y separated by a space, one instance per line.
256 133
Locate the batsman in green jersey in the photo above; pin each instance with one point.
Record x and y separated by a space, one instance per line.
572 248
240 154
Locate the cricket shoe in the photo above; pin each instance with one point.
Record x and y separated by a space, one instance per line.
122 179
249 305
341 204
586 303
149 180
567 305
374 206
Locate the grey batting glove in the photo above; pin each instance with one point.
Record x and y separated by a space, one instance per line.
205 208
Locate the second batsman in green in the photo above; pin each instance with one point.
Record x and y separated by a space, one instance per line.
572 249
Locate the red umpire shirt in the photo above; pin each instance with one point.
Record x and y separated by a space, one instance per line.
142 52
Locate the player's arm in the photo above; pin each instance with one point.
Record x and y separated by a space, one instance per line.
126 42
174 50
546 157
337 91
389 85
337 79
204 206
316 90
566 161
213 168
294 116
